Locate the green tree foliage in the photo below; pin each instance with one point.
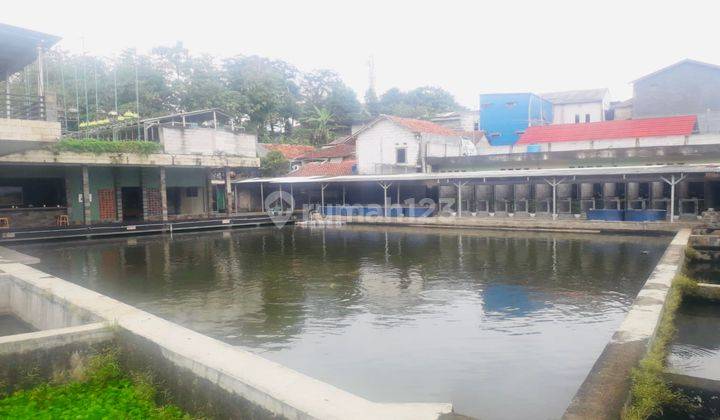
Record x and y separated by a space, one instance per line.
271 98
274 164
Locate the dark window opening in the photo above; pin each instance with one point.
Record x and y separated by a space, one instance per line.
510 104
32 192
173 200
400 155
587 118
577 118
191 192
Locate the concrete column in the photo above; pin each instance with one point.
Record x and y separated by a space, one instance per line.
87 213
564 190
229 200
633 190
209 192
118 195
163 195
656 190
502 193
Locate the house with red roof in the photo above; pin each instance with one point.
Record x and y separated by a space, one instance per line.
391 144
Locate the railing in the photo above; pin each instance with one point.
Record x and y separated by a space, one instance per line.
22 107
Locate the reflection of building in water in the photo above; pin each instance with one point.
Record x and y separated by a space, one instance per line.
510 300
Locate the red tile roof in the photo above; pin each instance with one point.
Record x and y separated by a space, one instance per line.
325 169
290 151
608 130
341 150
421 126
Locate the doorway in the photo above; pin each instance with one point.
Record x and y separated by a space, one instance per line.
132 207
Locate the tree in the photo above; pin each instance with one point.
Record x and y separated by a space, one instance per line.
320 122
372 104
274 164
422 102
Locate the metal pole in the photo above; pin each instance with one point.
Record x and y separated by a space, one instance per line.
459 193
672 199
41 77
343 194
554 188
322 198
281 200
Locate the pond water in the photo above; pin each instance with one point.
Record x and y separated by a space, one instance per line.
505 325
695 350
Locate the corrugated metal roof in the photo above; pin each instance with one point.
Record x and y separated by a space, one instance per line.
495 174
609 130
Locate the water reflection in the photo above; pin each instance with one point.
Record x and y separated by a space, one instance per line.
504 325
696 348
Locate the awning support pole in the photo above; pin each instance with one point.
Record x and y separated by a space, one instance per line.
554 183
385 187
262 198
672 181
322 198
459 186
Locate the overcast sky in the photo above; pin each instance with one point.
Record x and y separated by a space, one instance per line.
465 47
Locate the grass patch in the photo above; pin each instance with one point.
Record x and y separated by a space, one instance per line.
106 146
649 392
104 393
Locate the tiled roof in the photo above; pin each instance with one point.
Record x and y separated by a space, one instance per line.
290 151
341 150
325 169
608 130
575 96
421 126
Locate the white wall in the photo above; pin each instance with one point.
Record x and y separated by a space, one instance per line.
207 141
565 113
376 146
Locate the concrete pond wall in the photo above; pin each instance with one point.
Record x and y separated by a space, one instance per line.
202 375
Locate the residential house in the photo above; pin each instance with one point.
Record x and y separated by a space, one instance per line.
391 144
505 116
291 152
621 110
332 160
684 88
578 106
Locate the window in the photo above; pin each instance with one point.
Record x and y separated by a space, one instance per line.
577 118
510 104
400 155
587 118
191 192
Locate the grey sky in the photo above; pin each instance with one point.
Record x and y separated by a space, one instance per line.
465 47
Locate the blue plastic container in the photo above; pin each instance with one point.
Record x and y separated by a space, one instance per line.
395 212
329 210
373 211
606 215
645 215
415 211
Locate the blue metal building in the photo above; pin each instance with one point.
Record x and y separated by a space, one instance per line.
505 116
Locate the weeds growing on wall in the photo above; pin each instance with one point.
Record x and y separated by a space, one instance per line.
649 392
104 392
107 146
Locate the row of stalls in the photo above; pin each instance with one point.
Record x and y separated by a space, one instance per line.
635 193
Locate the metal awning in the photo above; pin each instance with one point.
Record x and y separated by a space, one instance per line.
18 47
507 174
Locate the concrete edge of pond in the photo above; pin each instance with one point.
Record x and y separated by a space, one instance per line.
47 339
234 376
605 390
520 223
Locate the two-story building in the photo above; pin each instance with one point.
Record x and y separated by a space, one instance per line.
687 87
578 106
174 167
505 116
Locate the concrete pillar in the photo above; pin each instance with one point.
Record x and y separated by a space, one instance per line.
163 195
209 192
502 193
543 192
522 191
564 190
682 190
118 195
229 200
656 190
632 191
87 213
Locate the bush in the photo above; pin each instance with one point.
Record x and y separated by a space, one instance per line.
106 146
104 393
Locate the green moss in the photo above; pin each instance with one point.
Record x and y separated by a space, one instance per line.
649 392
104 393
106 146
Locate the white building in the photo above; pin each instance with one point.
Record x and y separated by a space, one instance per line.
578 106
392 144
466 120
